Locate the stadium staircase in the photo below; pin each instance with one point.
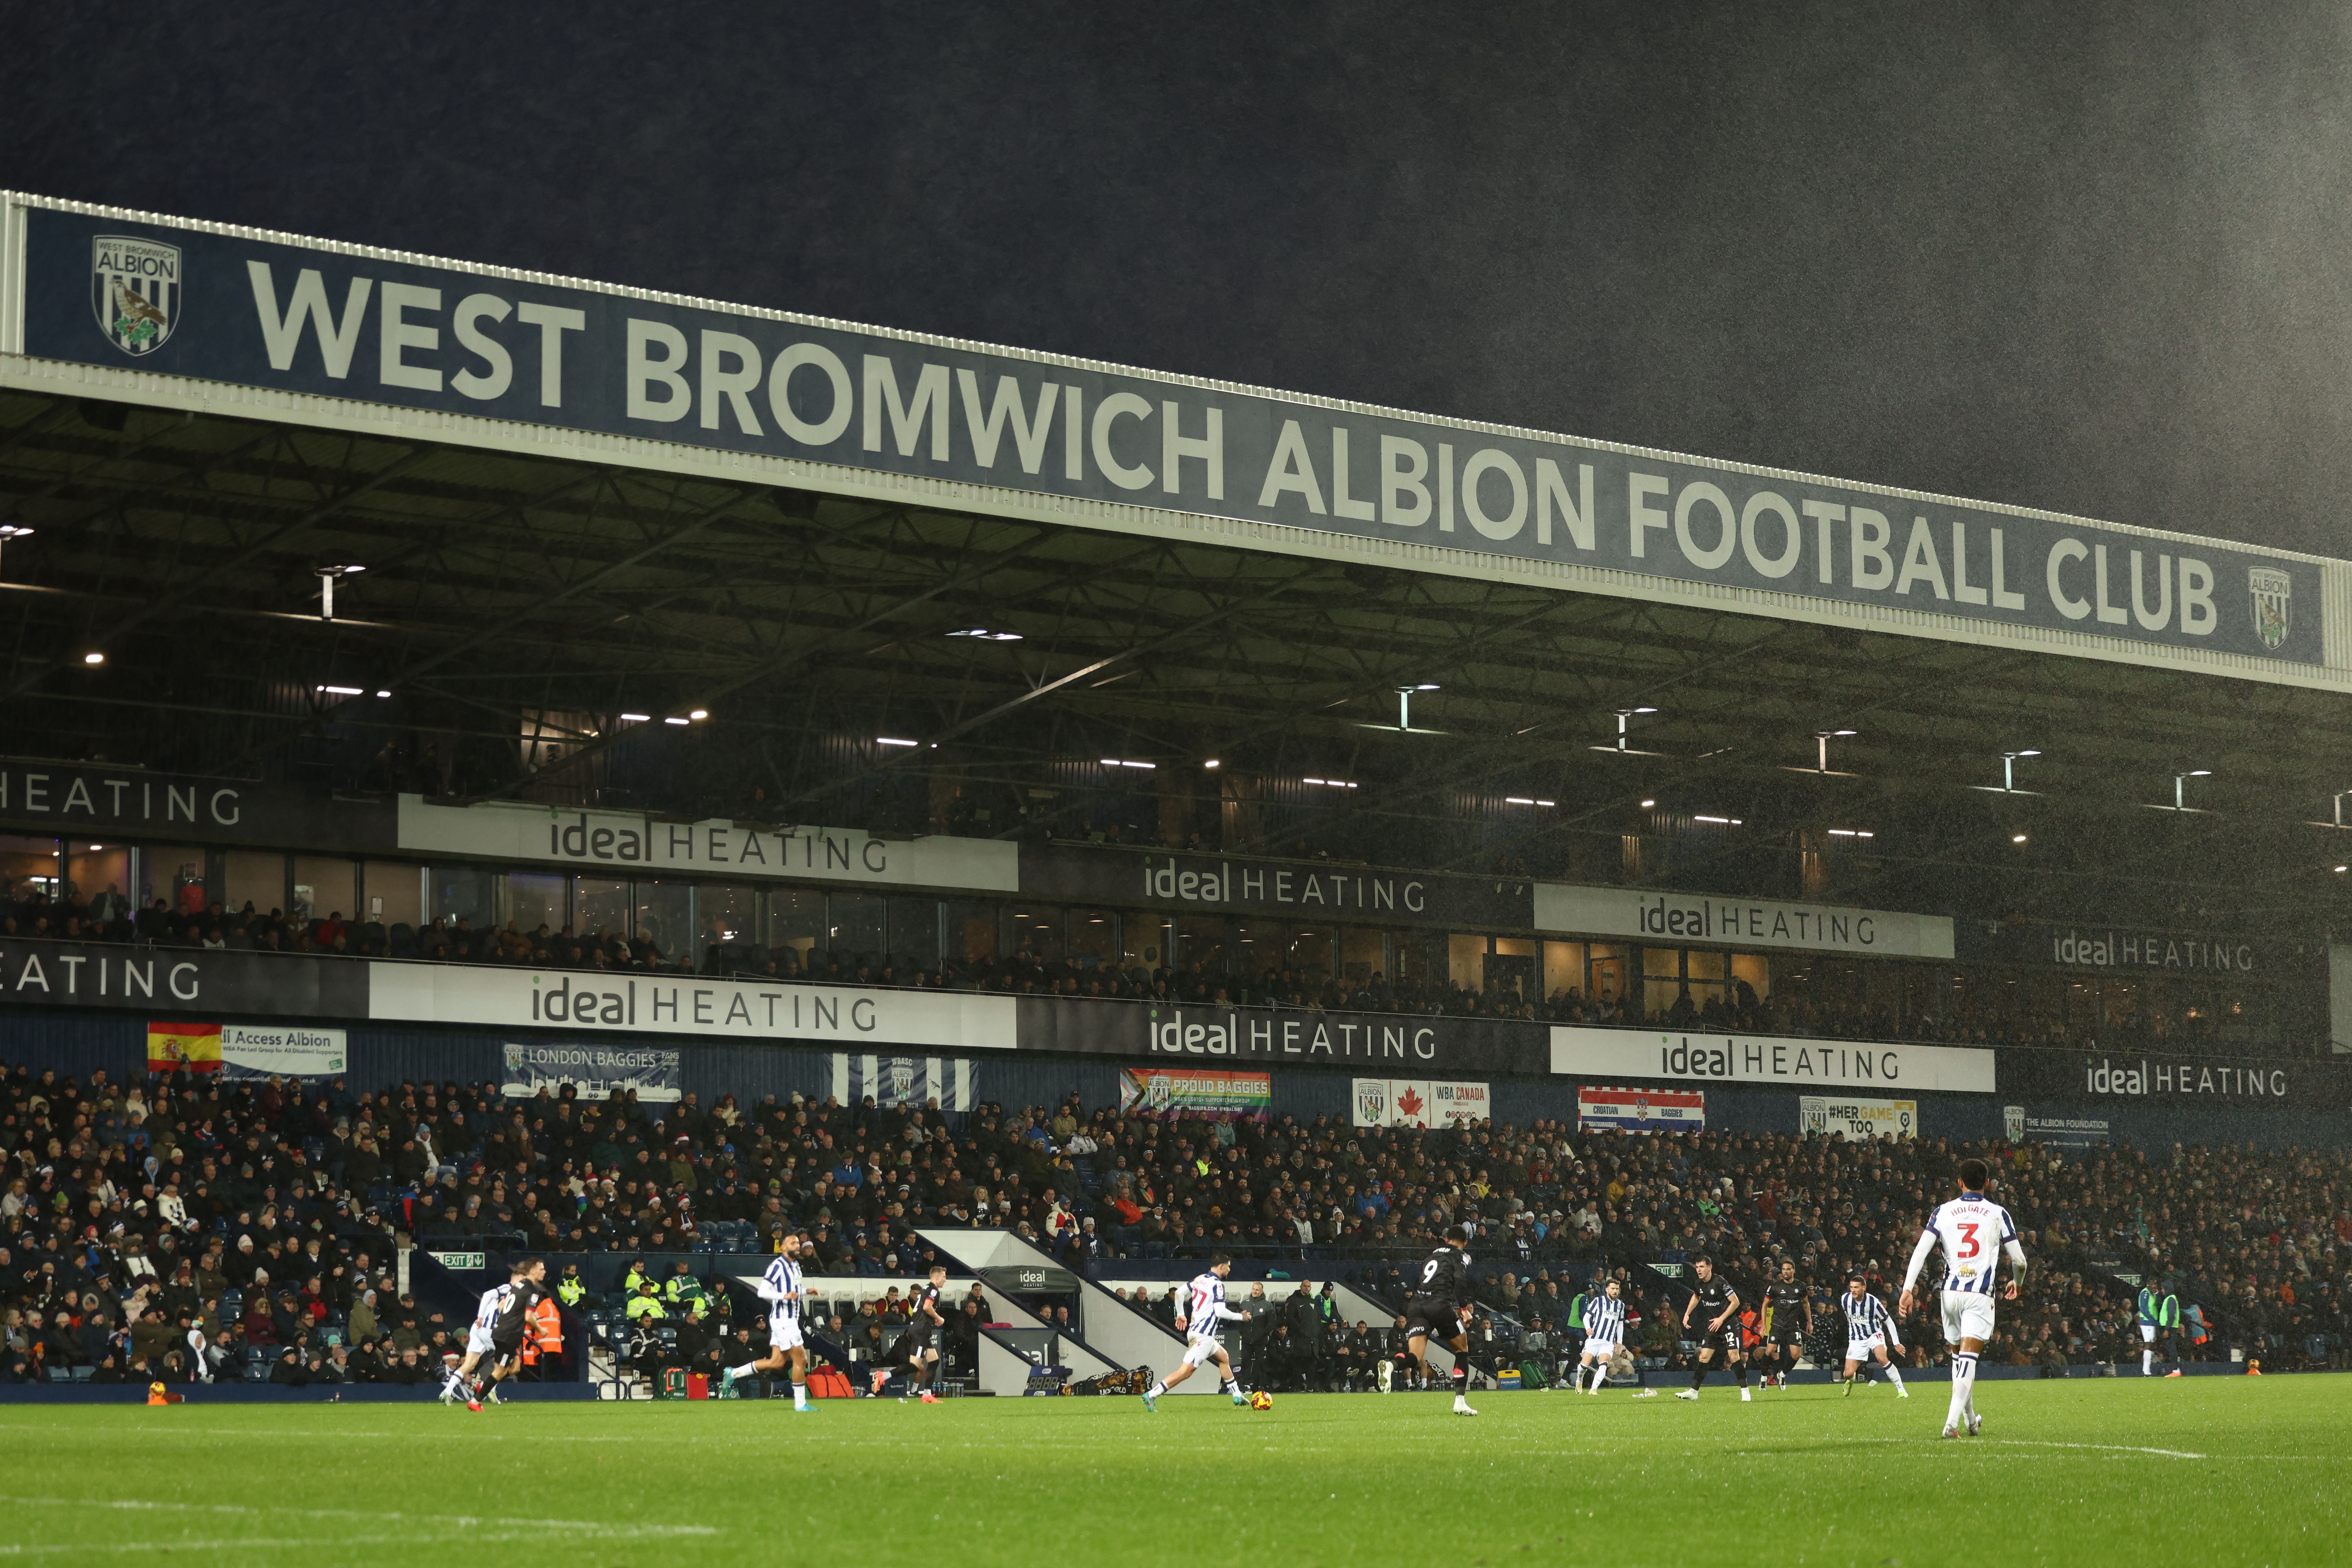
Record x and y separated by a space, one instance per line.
1112 1335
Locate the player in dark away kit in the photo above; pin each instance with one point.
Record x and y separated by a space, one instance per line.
1440 1305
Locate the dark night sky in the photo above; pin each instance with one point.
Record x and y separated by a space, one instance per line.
2085 257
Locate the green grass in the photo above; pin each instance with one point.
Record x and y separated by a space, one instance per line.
2197 1470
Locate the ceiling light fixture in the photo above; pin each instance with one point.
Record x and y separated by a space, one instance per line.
93 657
985 636
343 691
1118 762
1720 822
1647 804
2017 838
327 578
1212 762
892 740
673 718
626 718
384 694
699 715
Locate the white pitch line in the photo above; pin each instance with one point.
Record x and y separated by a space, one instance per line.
2107 1447
437 1521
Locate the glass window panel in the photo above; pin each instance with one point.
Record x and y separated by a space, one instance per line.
28 868
1413 951
665 917
1703 966
393 894
724 913
1607 968
98 879
856 926
1201 939
599 907
1036 928
255 877
1257 946
324 886
1093 938
1362 952
972 930
463 892
1465 962
1753 970
1147 940
175 873
534 900
1563 968
1313 949
915 932
1662 962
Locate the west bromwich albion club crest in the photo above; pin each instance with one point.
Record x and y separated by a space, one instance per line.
134 290
2273 591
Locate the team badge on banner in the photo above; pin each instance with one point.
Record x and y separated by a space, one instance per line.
2273 595
193 1046
906 1081
134 288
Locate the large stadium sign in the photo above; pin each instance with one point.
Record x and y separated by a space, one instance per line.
979 428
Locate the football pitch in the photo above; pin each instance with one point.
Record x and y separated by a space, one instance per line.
2202 1470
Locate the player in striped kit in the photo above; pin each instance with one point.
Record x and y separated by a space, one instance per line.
482 1339
1206 1315
1869 1330
781 1289
1973 1231
1605 1331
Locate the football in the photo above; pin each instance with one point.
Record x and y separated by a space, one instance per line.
1261 1400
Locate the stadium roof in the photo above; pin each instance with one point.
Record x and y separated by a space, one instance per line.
537 590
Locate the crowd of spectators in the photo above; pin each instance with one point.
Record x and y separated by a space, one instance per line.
175 1224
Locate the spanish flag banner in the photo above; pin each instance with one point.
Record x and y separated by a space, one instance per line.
193 1046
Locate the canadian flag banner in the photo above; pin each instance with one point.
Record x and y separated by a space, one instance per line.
1418 1103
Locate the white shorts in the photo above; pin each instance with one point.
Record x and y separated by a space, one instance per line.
1860 1349
477 1341
1202 1350
1967 1314
2148 1333
1600 1349
784 1333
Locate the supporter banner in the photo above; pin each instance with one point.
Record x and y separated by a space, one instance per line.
632 841
1681 919
1289 1037
1768 1058
69 800
906 1081
2144 1078
173 300
1418 1103
78 974
2132 949
2058 1131
285 1050
1641 1110
596 1070
649 1004
1195 1088
1857 1119
1227 884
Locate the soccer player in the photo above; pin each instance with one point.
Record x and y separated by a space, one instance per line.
515 1321
2159 1313
1716 1304
929 1328
1440 1303
479 1344
1973 1231
1205 1317
1605 1331
1788 1324
1868 1330
781 1289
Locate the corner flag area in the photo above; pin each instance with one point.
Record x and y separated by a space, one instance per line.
2207 1471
